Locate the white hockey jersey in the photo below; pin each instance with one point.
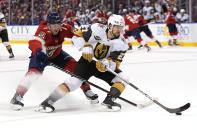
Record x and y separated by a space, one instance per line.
2 21
102 46
182 18
147 12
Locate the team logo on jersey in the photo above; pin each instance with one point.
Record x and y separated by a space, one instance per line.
51 49
97 38
42 34
101 50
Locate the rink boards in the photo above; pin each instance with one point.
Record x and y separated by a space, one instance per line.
186 36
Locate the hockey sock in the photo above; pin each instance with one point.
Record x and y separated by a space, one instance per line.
8 47
117 89
21 90
58 93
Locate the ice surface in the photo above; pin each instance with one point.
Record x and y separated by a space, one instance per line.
169 74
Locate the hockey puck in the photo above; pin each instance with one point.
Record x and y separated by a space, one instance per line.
179 113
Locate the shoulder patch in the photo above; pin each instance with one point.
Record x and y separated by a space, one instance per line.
42 34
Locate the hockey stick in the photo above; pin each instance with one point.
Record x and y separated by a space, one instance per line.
170 110
98 87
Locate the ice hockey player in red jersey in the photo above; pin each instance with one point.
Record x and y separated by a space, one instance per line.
46 47
132 20
171 24
103 16
70 17
144 28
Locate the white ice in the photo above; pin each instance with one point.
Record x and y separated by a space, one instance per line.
170 74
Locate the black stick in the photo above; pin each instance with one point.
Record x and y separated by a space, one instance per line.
170 110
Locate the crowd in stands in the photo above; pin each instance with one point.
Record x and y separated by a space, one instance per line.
88 12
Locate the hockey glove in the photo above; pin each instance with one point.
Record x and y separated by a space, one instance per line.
87 53
41 56
100 66
105 63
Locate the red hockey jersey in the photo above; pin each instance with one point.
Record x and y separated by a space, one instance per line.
170 18
142 21
44 40
70 18
132 21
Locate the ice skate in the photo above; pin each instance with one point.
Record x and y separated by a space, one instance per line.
175 43
91 96
170 43
130 47
16 102
140 46
11 56
147 47
109 104
45 107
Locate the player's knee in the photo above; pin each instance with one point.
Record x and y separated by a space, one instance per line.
29 78
73 83
122 75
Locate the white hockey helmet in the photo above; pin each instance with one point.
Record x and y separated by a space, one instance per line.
116 20
182 11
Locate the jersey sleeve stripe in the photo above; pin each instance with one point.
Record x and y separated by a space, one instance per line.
39 39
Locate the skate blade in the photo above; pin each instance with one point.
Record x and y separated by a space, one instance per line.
93 102
15 107
41 109
11 58
105 107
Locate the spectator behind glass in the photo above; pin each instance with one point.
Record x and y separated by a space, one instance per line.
37 20
120 9
137 6
182 16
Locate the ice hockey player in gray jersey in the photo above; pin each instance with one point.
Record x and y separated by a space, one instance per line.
102 47
4 35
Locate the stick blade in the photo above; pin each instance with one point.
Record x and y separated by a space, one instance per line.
180 109
185 107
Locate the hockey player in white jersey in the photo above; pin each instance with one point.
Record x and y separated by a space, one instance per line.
107 46
4 35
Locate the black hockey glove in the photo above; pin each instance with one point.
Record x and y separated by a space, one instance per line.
42 56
